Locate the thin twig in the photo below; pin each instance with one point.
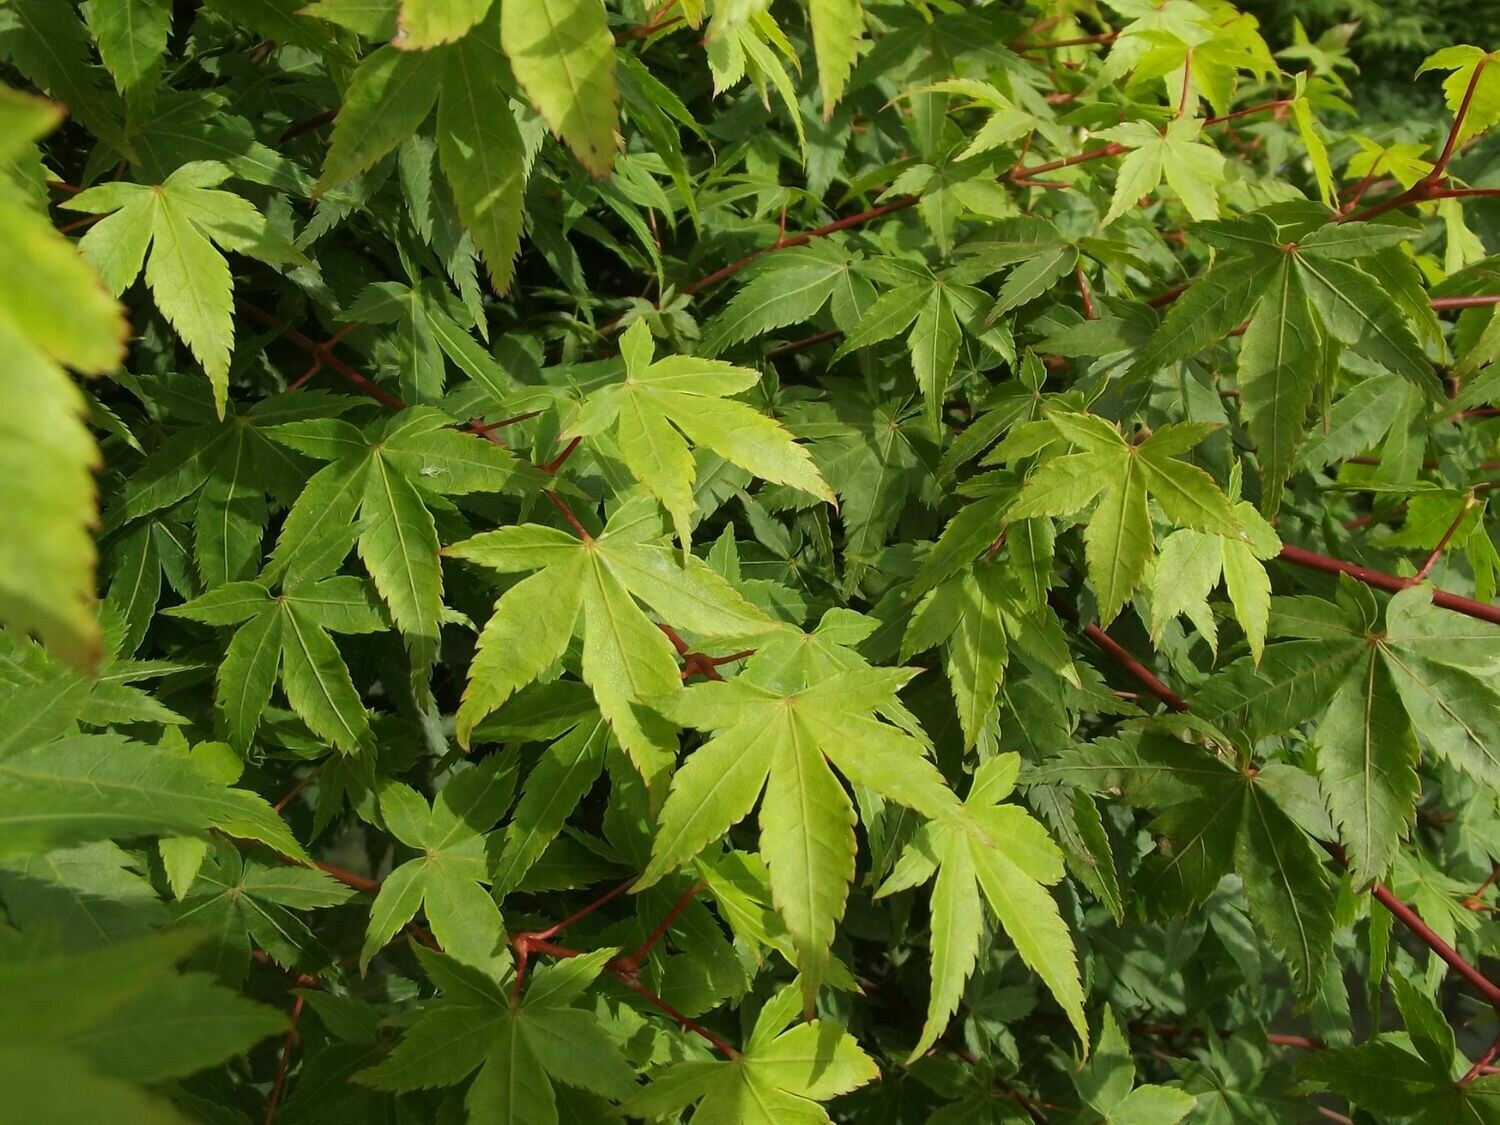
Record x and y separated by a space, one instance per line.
1437 552
349 879
631 964
900 203
1297 556
1482 1063
281 1068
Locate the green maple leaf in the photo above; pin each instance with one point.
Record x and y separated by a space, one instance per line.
375 493
781 1076
1118 541
521 1046
875 455
446 879
559 780
131 35
1106 1083
424 24
1194 170
230 466
967 616
1301 290
1190 565
289 634
480 150
1413 1075
53 697
1402 161
241 902
1007 122
1213 817
97 787
662 404
1003 852
592 586
936 307
977 616
427 330
1039 252
181 222
787 288
59 318
138 1023
1484 103
1426 677
785 741
563 56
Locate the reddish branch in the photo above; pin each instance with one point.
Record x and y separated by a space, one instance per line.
631 963
900 203
1080 41
1442 544
349 879
1482 1064
323 353
626 969
1389 582
1429 937
1440 303
281 1067
1148 678
1382 894
1430 186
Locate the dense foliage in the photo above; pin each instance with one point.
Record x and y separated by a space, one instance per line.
607 517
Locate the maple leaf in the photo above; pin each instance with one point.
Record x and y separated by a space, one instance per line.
592 586
521 1047
785 743
446 880
180 222
781 1075
1001 851
288 634
1118 541
660 405
375 492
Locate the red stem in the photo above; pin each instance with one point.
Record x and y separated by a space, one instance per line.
1111 149
632 963
1482 1064
681 1020
281 1068
1081 41
900 203
349 879
1437 552
1147 677
1084 292
1278 103
809 341
578 916
551 467
562 506
1428 187
322 352
486 427
296 129
1458 120
1389 582
1440 303
1429 937
307 779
